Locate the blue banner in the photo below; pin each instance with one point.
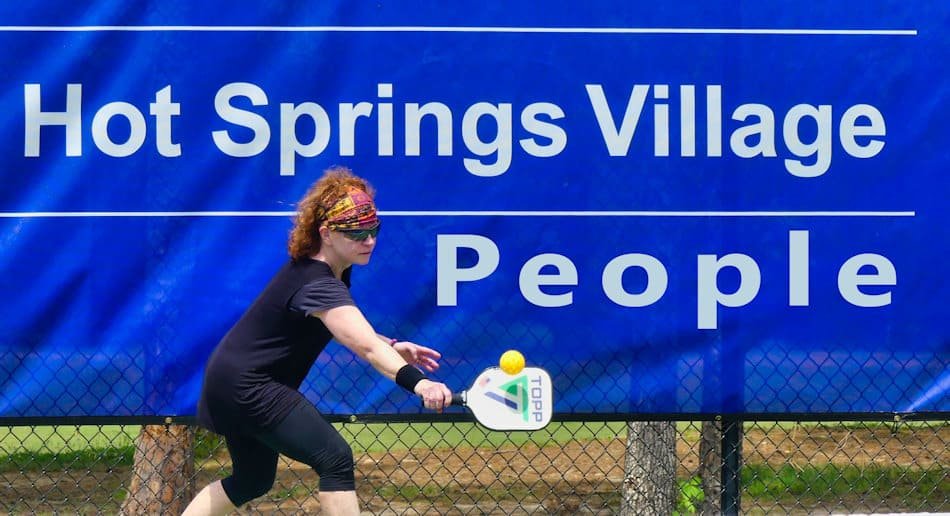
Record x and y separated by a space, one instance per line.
676 209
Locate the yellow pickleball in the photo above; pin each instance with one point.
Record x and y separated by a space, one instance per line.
511 362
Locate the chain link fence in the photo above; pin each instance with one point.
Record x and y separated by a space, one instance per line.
74 444
450 465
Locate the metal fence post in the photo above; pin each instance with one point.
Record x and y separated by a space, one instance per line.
731 455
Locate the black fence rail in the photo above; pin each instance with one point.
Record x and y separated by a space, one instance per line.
451 465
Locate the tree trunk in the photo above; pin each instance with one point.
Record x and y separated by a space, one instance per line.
649 483
710 466
164 470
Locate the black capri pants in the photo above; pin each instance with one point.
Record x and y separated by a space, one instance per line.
305 436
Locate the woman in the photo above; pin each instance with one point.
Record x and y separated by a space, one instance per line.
250 386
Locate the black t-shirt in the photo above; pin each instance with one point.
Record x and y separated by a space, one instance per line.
252 377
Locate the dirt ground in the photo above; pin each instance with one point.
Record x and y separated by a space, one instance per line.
574 478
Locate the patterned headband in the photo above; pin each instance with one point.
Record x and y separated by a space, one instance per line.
353 212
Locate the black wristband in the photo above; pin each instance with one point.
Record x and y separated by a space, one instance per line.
407 377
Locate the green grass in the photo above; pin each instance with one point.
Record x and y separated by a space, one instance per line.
70 447
823 482
370 437
53 448
60 438
88 459
377 437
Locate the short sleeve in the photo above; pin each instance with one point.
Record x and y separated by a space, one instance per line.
319 295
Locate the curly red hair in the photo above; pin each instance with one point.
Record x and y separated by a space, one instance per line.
311 210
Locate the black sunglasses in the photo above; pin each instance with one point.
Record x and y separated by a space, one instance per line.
359 235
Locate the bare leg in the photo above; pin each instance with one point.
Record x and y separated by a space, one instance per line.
339 503
210 501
